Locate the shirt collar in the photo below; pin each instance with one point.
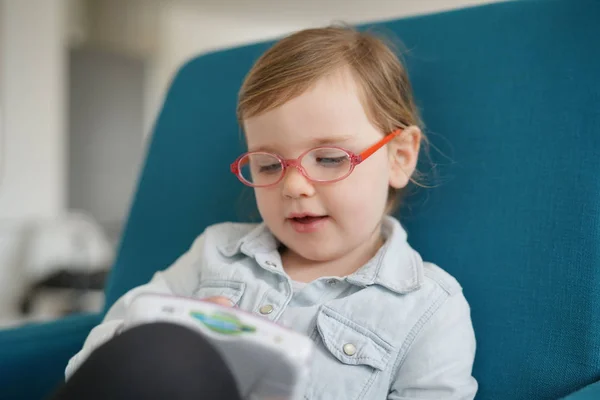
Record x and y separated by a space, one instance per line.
396 266
258 240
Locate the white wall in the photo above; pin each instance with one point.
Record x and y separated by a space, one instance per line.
32 94
105 132
1 94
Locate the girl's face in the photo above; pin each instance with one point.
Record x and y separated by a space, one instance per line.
324 221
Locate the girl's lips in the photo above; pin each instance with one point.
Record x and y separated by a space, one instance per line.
303 214
308 224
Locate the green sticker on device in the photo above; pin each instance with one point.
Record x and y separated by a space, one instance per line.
226 324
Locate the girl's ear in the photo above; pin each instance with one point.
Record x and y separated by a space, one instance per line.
403 156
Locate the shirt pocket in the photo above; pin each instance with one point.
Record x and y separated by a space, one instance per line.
232 290
351 362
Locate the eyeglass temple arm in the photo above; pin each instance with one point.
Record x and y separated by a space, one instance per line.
367 153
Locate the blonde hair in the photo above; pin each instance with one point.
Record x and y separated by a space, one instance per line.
297 62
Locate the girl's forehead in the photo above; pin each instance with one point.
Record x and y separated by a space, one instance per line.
286 143
330 112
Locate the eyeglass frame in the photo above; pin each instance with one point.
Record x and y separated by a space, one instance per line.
355 159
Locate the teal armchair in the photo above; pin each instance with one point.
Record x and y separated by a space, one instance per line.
510 94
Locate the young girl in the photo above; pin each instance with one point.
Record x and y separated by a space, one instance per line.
333 139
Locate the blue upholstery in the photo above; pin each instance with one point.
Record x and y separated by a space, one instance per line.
511 98
33 358
590 392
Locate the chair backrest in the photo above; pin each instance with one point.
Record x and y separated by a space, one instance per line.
510 94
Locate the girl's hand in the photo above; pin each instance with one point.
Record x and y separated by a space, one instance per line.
220 300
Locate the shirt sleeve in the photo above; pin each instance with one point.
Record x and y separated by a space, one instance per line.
440 360
181 278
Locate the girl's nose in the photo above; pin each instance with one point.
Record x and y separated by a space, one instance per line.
296 185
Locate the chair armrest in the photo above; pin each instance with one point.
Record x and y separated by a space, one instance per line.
590 392
33 357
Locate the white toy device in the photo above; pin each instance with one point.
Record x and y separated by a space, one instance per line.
267 360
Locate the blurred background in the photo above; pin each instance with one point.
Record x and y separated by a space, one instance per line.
81 82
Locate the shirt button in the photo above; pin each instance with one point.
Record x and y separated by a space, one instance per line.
349 349
332 282
266 309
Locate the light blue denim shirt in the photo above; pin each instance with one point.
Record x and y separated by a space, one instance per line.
407 319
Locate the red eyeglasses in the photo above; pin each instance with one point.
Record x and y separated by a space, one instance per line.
322 164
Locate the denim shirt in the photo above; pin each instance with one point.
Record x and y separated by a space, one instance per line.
407 320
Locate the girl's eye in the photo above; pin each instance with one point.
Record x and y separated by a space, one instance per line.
331 161
270 168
